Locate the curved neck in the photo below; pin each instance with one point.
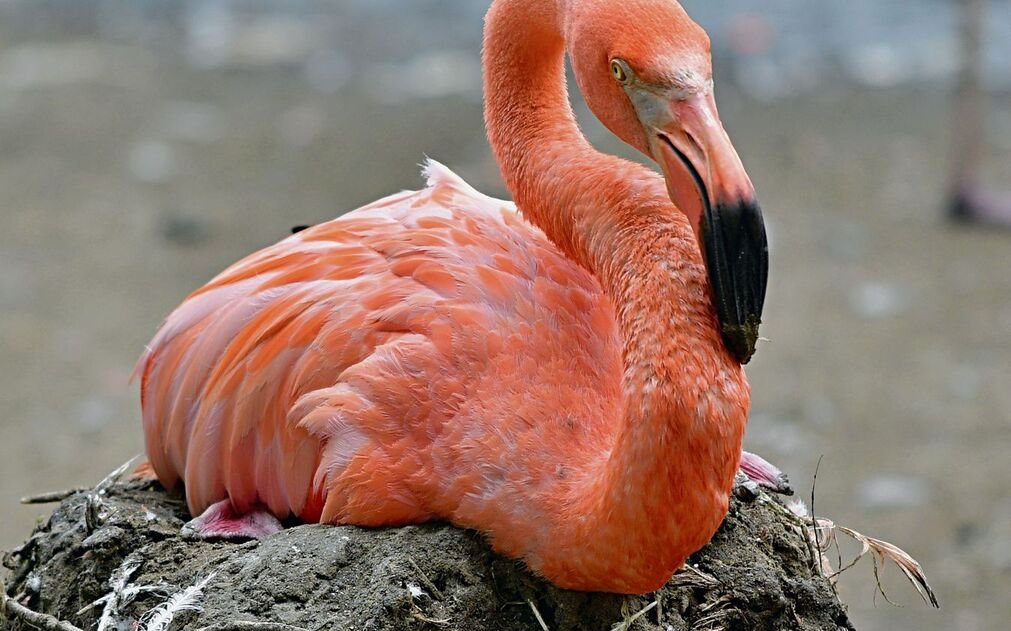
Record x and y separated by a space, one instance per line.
595 207
611 216
682 389
531 127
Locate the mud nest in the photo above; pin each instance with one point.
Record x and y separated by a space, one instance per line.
109 558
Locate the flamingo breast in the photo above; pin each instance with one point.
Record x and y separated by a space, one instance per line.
429 355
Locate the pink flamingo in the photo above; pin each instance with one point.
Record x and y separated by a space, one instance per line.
970 202
566 379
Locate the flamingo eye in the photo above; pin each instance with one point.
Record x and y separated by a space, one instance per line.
619 70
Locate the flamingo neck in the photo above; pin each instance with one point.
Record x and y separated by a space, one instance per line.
663 489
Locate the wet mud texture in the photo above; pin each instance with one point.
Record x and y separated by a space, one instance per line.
756 574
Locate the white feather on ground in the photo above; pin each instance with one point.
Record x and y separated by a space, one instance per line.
160 618
115 599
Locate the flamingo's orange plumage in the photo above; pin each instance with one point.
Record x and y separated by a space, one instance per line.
435 356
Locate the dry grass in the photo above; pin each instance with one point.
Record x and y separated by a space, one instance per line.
824 537
628 621
881 552
537 614
11 608
715 615
690 576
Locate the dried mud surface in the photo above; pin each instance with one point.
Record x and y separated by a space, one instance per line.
756 574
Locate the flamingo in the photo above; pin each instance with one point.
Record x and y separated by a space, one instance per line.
563 375
969 202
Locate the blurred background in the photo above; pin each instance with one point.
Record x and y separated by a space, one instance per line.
147 144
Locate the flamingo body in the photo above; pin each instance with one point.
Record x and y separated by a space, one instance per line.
364 369
557 380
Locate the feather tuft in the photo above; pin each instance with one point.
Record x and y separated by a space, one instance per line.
119 583
160 618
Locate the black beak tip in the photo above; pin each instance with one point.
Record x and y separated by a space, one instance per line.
737 257
741 339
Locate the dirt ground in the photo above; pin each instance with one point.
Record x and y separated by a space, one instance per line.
130 177
756 574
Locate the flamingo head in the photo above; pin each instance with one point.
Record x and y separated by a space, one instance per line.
645 69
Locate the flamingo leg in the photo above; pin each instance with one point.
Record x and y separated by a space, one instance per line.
974 204
220 521
970 203
764 474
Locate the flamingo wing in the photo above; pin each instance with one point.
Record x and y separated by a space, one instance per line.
339 374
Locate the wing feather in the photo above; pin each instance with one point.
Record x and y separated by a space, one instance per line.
329 375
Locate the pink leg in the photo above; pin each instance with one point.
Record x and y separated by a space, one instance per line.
220 521
980 206
765 473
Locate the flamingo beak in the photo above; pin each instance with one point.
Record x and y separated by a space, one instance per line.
706 180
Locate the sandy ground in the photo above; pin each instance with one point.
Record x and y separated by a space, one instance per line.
129 177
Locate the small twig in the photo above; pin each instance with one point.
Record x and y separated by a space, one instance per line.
881 588
838 552
52 496
689 576
714 611
865 548
427 581
93 500
719 602
627 623
13 608
91 509
418 614
114 475
537 615
814 521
